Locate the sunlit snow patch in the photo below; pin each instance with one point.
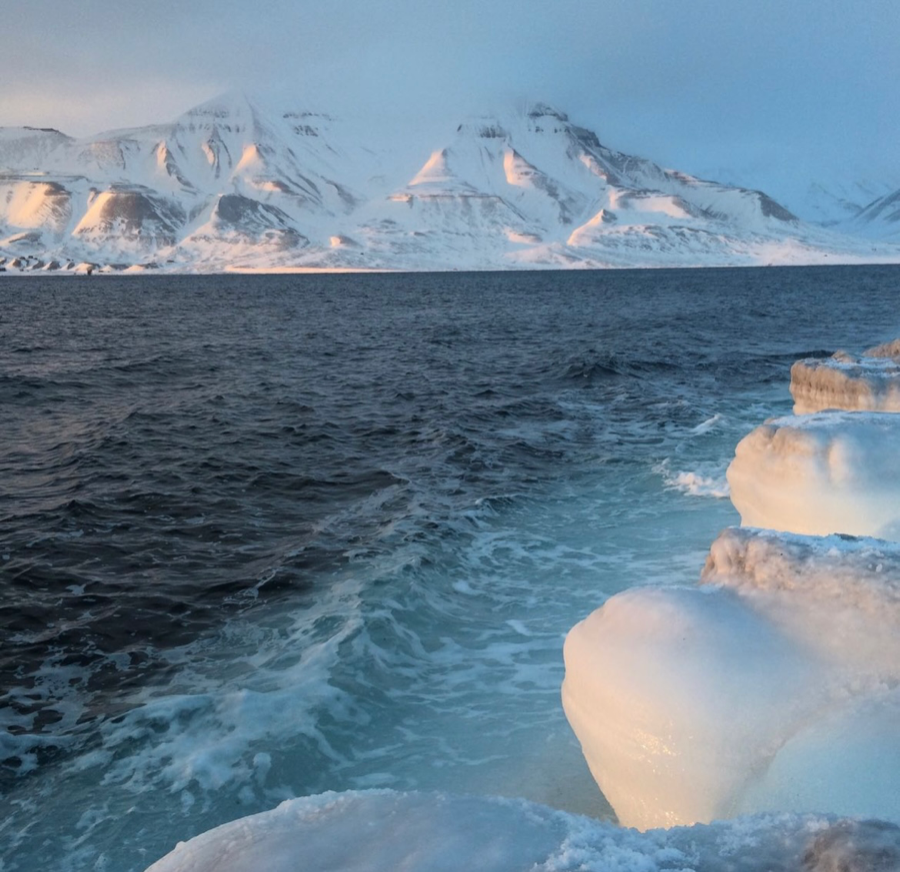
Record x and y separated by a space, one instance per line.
382 831
830 472
740 695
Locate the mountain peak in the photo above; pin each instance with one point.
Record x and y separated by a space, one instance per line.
502 123
51 130
230 104
544 110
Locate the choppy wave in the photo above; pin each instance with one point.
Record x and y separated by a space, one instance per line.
706 481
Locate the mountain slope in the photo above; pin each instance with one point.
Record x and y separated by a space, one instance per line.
231 185
837 202
881 218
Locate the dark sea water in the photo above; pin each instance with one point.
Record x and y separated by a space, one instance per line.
265 537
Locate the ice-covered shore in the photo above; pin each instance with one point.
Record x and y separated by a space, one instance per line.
774 685
867 383
383 831
829 472
742 694
832 466
768 694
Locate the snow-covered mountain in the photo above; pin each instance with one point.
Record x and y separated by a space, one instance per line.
829 197
228 185
880 219
837 202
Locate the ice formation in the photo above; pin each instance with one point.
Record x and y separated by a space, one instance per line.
383 831
842 381
886 349
769 687
823 473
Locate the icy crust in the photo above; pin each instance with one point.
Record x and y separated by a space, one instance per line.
383 831
886 349
823 473
773 686
869 383
838 595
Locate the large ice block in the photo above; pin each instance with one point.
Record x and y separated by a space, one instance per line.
830 472
869 383
699 703
886 349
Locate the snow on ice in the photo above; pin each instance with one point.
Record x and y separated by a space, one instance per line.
772 685
823 473
867 383
383 831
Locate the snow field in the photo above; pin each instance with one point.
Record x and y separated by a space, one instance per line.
521 189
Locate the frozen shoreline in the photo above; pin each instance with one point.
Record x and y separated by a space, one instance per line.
731 699
734 696
383 831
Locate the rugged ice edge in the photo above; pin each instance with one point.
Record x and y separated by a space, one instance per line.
828 472
383 831
230 185
771 686
867 383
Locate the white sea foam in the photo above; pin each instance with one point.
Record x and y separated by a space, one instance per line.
693 704
707 480
707 425
383 831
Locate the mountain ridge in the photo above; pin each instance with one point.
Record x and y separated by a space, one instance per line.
229 184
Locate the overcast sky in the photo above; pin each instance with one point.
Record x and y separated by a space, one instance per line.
773 86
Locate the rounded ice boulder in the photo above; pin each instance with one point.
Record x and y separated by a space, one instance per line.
737 696
829 472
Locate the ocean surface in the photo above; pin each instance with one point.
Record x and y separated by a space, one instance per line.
263 537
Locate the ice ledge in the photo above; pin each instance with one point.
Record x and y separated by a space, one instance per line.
842 381
771 686
828 472
383 831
